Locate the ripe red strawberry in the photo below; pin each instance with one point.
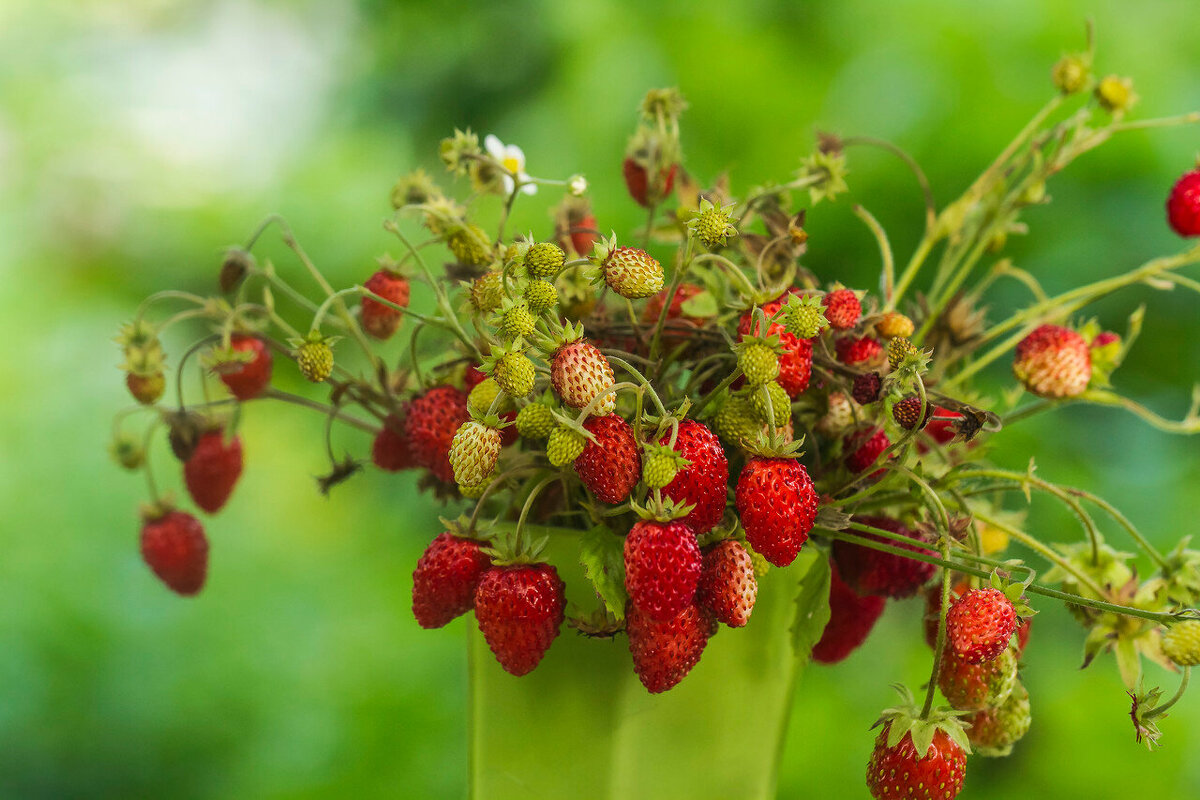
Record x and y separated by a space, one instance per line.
665 652
379 320
866 388
248 379
611 466
727 585
942 430
174 546
1053 361
662 567
390 450
213 469
520 609
579 372
432 420
843 309
973 686
851 618
870 571
900 773
980 624
1183 206
859 351
777 505
795 363
702 483
445 579
1023 626
637 181
863 447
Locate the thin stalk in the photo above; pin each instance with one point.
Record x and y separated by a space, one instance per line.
940 645
888 277
297 400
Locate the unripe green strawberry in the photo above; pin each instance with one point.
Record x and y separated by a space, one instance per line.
486 292
1115 94
893 324
758 363
514 373
1181 643
974 686
994 731
565 445
483 395
516 321
314 357
898 349
632 273
476 491
474 452
805 317
535 421
780 403
127 451
736 421
544 260
713 225
470 245
540 295
660 465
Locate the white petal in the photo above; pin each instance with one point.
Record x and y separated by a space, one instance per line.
528 188
512 151
494 146
508 184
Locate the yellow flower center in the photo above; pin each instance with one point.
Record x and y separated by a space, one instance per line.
512 164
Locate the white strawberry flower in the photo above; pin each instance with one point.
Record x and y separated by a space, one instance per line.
512 158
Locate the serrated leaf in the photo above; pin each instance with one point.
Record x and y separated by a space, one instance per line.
602 555
812 601
700 305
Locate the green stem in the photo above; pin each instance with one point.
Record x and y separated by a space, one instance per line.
712 395
297 400
1183 684
940 644
888 278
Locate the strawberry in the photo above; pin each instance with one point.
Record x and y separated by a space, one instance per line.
630 272
1181 643
638 183
247 379
544 260
379 320
866 388
843 309
514 373
390 451
907 413
974 686
758 362
851 618
445 579
146 389
430 424
175 548
535 421
993 731
1183 205
870 571
472 377
665 652
213 470
579 372
564 445
314 357
575 226
702 483
899 772
892 324
662 567
863 447
777 505
859 351
610 466
520 609
486 293
540 296
474 451
727 584
1053 362
980 624
795 364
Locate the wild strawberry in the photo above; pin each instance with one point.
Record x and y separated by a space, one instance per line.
933 608
665 652
662 567
637 181
146 389
540 296
980 624
213 470
175 548
702 483
863 447
630 272
804 317
314 357
866 387
579 372
758 362
486 292
1053 362
771 400
841 412
897 771
655 303
520 609
474 451
515 320
535 421
611 465
777 505
1181 643
1183 205
899 350
943 430
445 579
907 413
713 225
247 379
974 686
544 260
727 584
843 309
892 324
470 245
575 226
481 398
430 424
514 373
795 363
993 731
390 450
564 445
859 351
870 571
851 618
379 320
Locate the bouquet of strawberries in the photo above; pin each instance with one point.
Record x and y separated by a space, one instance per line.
691 406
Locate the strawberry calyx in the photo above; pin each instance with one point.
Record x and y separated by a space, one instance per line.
660 509
513 548
906 719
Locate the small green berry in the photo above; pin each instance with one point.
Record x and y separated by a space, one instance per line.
565 445
314 356
470 245
1181 643
540 295
516 321
535 421
483 395
898 349
781 403
805 317
758 363
544 260
515 374
486 293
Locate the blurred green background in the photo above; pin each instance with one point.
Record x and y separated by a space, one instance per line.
140 137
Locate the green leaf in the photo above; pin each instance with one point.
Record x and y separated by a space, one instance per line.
602 555
1129 662
701 305
812 601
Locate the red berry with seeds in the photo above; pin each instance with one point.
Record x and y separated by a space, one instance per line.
247 379
728 587
777 505
702 483
213 469
445 579
612 465
637 181
866 388
390 450
175 548
430 424
870 571
907 413
851 618
862 448
1053 362
795 363
378 319
973 686
665 652
901 773
1183 206
662 567
859 351
980 624
520 609
843 309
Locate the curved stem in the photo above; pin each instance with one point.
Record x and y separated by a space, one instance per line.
297 400
888 277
